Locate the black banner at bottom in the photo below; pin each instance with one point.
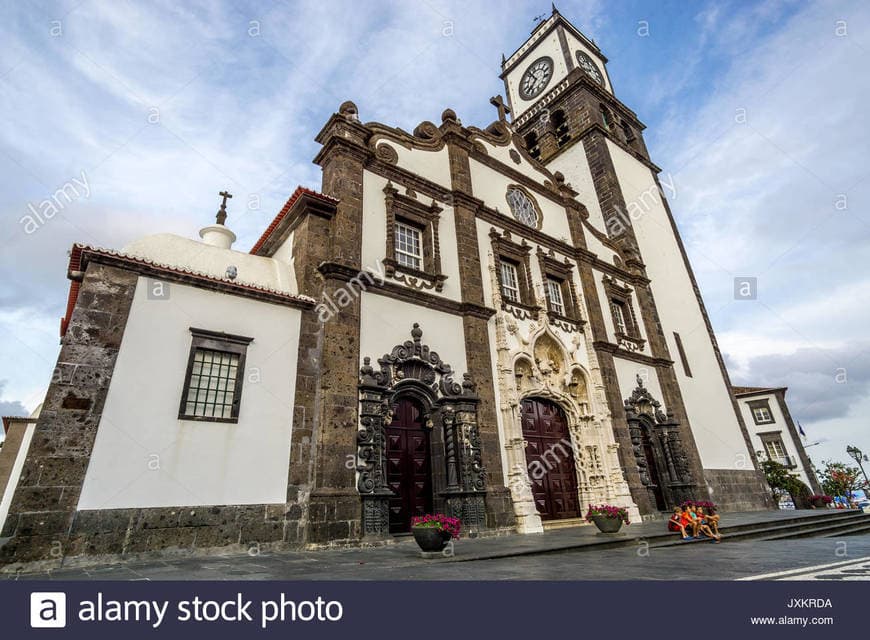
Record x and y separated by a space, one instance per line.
422 610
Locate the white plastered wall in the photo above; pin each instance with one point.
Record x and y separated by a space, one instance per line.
144 456
705 394
779 424
386 322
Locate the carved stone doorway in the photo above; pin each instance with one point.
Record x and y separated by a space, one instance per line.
550 459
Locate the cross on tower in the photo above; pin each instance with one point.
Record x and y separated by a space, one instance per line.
503 109
222 212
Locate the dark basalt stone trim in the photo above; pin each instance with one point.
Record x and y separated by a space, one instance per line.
192 280
796 440
619 352
305 204
738 490
566 50
407 294
43 506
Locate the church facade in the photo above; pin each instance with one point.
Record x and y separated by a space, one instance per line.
500 324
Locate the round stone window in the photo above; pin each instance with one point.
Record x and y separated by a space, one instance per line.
522 207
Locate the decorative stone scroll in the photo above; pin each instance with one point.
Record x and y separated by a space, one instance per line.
413 369
649 425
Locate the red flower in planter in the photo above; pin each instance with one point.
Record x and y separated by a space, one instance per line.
438 521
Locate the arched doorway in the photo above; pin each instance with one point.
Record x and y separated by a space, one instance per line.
409 465
550 459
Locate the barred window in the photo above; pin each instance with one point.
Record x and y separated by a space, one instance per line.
409 246
215 371
510 287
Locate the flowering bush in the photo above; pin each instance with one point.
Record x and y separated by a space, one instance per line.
706 505
821 498
438 521
608 511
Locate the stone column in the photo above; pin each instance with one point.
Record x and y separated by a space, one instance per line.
44 504
477 344
335 505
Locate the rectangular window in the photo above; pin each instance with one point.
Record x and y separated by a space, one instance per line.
775 450
215 371
510 282
554 296
617 310
409 246
683 357
762 415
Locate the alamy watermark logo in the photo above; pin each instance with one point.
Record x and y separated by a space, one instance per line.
40 213
47 610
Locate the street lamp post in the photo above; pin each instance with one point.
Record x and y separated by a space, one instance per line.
859 456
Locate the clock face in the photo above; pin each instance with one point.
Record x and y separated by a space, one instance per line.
589 67
536 77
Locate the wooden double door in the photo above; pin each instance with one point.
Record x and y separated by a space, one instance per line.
409 465
550 459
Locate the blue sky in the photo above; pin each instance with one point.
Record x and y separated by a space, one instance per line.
162 104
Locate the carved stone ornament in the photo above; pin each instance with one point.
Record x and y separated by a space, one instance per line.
413 368
654 432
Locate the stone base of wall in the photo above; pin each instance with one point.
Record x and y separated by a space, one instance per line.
334 516
738 490
500 509
131 532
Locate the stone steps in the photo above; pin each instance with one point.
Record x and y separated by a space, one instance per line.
824 525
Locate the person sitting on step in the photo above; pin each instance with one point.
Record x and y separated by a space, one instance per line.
711 518
689 521
675 524
702 524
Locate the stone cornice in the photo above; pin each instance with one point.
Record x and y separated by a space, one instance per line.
347 273
618 352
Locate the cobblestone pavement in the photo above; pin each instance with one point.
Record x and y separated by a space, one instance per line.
726 561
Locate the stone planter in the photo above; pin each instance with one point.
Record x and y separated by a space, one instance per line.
819 504
431 539
607 525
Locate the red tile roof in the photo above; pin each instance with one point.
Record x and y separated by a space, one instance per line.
79 252
284 210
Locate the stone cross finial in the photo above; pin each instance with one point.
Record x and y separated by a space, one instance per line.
222 212
503 109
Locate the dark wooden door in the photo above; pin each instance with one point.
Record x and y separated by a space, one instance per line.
409 473
550 460
655 478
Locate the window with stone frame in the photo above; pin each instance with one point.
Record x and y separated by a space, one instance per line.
775 450
523 206
215 373
413 254
514 274
563 303
761 412
625 325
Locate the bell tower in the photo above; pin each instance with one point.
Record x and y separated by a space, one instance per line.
558 88
565 111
